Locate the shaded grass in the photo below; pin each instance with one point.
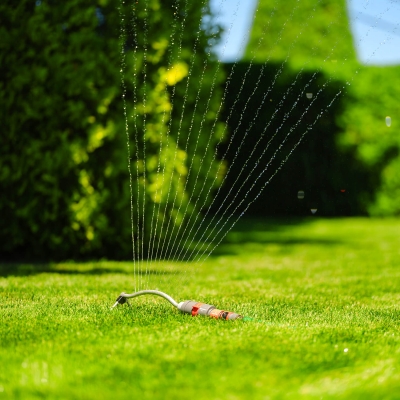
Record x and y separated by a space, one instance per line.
312 289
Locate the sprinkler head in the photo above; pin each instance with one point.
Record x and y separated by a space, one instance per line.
121 300
189 306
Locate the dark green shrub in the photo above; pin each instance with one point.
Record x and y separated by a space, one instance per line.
315 165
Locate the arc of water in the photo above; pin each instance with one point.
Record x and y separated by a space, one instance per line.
237 178
232 188
190 257
193 55
267 182
193 58
285 159
170 63
122 39
319 115
269 162
136 131
215 152
153 232
187 180
173 167
184 247
141 241
195 107
186 147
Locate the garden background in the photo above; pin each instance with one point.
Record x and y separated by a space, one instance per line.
63 157
319 292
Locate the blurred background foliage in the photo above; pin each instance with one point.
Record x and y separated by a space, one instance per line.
308 32
63 149
348 164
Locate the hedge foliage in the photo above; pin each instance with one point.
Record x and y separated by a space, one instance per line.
311 32
373 96
63 149
361 153
278 144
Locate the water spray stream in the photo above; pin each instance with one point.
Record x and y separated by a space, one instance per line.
197 236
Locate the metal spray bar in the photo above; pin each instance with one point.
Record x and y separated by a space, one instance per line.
189 306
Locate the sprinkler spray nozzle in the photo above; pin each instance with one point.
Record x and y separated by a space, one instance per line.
121 300
189 306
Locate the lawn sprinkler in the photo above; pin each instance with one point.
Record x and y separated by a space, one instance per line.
188 306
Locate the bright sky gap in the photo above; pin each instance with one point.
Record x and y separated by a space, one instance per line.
370 33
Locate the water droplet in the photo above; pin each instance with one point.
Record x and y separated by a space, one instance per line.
309 95
313 210
346 350
300 194
388 121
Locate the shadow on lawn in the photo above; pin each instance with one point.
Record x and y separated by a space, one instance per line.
262 232
248 235
24 269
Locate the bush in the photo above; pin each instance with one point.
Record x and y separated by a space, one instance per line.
353 150
279 147
63 160
364 133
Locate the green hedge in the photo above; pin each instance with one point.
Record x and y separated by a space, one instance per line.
357 152
311 32
331 178
63 154
373 96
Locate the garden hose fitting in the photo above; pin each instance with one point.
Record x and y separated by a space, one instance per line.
189 306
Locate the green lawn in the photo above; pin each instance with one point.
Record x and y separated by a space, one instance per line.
323 296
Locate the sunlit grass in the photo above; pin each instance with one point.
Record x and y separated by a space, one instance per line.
323 298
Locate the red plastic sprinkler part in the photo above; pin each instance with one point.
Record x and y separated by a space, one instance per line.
189 306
